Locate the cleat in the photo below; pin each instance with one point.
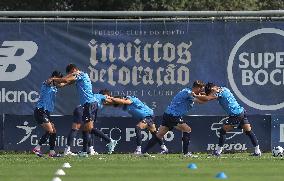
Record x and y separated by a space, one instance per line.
256 154
190 155
56 155
111 145
68 152
38 152
93 152
148 155
83 154
216 154
164 151
137 152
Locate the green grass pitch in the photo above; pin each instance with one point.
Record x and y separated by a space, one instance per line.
126 167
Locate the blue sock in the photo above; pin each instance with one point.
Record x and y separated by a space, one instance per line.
100 134
252 137
161 141
86 140
151 143
138 136
71 136
44 138
222 137
52 140
185 142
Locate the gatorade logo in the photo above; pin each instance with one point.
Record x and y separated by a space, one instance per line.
256 62
14 56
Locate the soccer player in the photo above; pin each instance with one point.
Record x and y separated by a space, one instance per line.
143 114
87 100
237 115
172 117
77 122
44 107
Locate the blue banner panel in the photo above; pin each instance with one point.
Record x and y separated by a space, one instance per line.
277 130
205 133
1 131
150 60
22 133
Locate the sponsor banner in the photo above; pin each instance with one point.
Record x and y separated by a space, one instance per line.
1 131
205 133
150 60
22 133
277 130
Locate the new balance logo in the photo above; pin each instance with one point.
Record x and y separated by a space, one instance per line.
14 56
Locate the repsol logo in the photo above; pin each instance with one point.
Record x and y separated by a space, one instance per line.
256 62
18 96
228 147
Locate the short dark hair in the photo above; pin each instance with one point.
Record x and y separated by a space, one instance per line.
70 67
105 92
198 84
56 74
208 87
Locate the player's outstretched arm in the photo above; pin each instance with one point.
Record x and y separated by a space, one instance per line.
205 98
108 101
197 100
66 80
121 101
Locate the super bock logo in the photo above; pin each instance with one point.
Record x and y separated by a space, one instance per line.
28 131
14 56
256 69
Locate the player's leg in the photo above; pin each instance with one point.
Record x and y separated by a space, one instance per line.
52 141
186 131
168 124
152 128
156 138
87 127
76 125
111 144
245 125
72 134
48 131
41 118
140 126
222 138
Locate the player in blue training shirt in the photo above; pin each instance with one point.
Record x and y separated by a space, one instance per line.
145 115
237 115
172 117
87 100
101 98
44 107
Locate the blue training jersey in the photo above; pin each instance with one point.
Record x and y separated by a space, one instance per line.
84 88
228 102
138 109
47 97
99 98
181 103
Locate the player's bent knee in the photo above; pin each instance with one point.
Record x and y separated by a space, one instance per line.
222 131
247 128
160 136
